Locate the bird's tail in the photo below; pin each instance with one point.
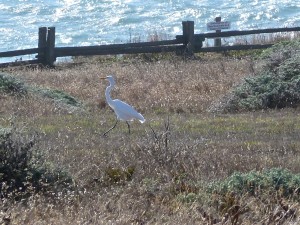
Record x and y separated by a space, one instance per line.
141 118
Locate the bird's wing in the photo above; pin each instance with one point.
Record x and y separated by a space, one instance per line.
126 112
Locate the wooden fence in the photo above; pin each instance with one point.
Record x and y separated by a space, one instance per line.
186 44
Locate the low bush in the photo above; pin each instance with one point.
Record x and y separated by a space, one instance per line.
279 53
254 182
12 86
22 169
277 86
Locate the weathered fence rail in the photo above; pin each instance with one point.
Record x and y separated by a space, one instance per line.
186 44
141 47
21 52
234 48
247 32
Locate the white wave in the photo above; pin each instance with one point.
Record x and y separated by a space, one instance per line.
80 22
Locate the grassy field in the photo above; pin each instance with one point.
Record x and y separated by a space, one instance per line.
185 165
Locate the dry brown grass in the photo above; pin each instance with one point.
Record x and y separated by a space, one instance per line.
170 163
168 86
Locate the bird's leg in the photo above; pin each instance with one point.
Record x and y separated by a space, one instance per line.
110 128
128 127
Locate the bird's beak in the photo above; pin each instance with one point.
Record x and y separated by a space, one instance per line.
103 78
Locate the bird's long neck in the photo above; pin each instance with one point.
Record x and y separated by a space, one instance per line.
107 94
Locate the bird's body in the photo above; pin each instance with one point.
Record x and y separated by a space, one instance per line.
123 111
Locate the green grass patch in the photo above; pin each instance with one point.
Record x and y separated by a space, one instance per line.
13 86
57 95
54 123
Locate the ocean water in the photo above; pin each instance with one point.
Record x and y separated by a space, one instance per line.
93 22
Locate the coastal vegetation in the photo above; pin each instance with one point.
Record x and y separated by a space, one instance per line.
221 144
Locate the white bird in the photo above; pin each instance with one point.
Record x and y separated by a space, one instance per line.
123 111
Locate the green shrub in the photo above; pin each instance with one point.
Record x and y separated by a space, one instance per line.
22 169
267 91
11 85
277 86
279 52
275 179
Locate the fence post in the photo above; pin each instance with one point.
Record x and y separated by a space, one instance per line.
188 36
50 48
46 45
42 43
217 42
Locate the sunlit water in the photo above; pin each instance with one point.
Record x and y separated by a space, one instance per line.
92 22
